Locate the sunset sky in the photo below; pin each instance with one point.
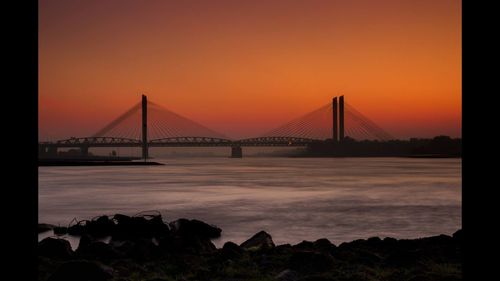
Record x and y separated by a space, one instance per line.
245 67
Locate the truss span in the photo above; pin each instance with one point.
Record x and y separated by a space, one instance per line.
95 142
277 141
190 141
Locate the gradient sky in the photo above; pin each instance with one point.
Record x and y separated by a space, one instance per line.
245 67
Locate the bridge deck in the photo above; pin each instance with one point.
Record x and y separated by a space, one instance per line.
179 142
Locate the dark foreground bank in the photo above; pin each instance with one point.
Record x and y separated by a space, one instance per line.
143 247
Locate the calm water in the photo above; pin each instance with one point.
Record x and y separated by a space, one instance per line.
293 199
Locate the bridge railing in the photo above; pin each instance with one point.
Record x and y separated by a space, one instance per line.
276 141
190 141
183 141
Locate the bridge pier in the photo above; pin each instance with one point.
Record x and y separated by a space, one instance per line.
236 151
42 150
84 150
52 151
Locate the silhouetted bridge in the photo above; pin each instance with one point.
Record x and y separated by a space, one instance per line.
148 125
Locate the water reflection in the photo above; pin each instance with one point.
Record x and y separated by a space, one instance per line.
293 199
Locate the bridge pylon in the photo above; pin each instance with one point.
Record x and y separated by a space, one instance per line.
144 127
341 118
335 128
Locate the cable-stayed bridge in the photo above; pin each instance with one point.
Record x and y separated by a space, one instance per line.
147 124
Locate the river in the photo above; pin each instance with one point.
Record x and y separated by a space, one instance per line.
293 199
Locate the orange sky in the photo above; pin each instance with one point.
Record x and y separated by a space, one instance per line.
245 67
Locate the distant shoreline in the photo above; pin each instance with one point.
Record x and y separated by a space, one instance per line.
42 163
428 156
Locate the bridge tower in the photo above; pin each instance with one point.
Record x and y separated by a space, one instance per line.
335 122
144 127
341 118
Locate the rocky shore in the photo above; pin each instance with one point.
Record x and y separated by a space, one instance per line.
144 247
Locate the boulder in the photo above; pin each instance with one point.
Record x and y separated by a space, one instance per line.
129 228
97 250
324 245
143 249
42 227
85 240
189 236
100 227
231 250
195 228
261 240
287 275
374 242
77 229
321 245
60 230
389 243
123 247
402 257
55 248
304 246
82 271
310 262
458 236
282 250
189 244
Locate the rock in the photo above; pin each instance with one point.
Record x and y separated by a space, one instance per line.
81 271
304 246
190 244
287 275
327 278
189 236
434 276
362 252
139 249
123 247
129 228
402 257
264 262
438 240
77 229
97 250
321 245
324 245
143 249
121 219
231 250
458 236
127 268
60 230
310 262
55 248
100 227
195 228
85 240
374 241
390 242
42 227
261 240
283 249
